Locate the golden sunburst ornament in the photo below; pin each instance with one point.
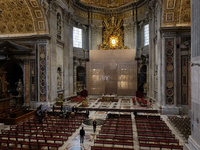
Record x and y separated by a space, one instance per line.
113 42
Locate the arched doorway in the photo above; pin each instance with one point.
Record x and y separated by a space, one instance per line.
81 77
14 73
142 78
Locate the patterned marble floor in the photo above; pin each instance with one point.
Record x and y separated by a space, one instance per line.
94 102
73 142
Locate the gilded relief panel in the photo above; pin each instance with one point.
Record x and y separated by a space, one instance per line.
21 16
185 12
171 12
176 13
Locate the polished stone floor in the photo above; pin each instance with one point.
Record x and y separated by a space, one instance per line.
94 102
73 142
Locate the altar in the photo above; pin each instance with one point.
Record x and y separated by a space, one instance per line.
112 72
108 97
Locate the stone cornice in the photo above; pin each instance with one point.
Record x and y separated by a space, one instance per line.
175 29
31 37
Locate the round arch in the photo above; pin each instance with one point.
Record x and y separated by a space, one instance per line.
14 73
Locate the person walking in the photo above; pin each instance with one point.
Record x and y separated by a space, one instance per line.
94 125
82 134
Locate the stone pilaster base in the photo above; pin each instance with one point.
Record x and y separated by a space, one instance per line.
170 110
192 145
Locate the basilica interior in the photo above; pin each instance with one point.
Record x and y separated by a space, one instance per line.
131 65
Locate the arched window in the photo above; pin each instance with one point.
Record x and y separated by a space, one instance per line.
146 35
77 37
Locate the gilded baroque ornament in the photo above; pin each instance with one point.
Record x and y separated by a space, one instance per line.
21 16
113 33
45 6
107 3
177 13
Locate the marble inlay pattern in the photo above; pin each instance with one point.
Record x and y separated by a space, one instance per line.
184 81
42 71
169 57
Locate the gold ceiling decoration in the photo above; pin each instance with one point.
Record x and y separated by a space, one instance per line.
113 33
101 16
21 17
107 3
177 13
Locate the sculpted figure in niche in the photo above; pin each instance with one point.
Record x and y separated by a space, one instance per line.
59 80
19 87
59 24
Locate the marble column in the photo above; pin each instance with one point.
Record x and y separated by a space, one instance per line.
27 83
194 140
71 61
75 77
52 52
151 67
67 17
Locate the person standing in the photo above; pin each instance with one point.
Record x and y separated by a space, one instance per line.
94 125
87 113
82 134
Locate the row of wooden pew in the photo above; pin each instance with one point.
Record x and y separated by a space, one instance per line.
154 133
115 134
51 134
